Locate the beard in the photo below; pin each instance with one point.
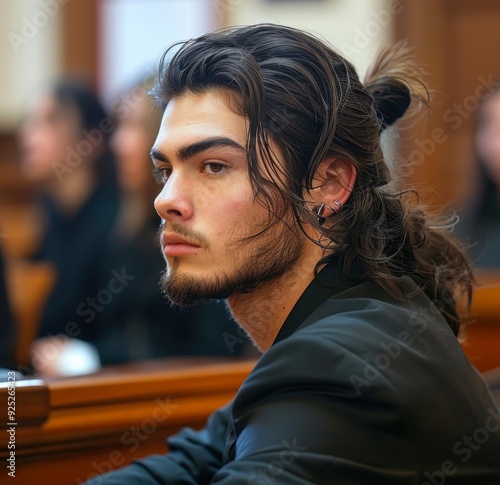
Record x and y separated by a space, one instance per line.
268 255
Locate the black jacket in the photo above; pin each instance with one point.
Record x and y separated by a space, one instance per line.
357 389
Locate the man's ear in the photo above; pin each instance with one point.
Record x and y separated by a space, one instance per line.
337 176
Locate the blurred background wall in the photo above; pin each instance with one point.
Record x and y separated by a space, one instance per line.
112 43
358 29
31 56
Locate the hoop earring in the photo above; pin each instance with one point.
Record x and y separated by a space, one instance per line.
321 218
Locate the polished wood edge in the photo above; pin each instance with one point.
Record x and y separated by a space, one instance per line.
28 400
178 382
103 408
31 383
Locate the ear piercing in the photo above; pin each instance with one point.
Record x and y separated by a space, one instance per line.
320 212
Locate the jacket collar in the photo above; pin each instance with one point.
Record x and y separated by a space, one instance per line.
327 283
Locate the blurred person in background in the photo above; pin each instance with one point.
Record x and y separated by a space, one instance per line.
140 322
481 222
65 154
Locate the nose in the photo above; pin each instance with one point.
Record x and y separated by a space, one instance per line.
173 202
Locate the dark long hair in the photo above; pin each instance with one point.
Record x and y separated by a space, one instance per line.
82 99
299 93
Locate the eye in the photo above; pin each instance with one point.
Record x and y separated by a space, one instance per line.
161 174
214 168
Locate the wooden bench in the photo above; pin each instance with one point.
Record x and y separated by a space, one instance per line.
29 284
72 429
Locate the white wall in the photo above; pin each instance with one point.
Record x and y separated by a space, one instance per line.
134 34
30 54
358 28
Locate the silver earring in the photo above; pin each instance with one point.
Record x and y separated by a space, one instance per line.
319 213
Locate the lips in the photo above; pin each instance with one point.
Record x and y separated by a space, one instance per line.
172 239
176 246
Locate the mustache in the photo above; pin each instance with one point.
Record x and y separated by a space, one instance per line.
183 232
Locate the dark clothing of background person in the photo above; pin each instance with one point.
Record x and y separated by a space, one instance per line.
7 329
74 245
480 227
139 322
358 388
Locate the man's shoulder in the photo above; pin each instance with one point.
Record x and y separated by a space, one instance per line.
334 342
352 338
357 320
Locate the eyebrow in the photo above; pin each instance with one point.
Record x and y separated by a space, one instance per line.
188 151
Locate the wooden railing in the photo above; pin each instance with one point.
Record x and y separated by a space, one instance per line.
69 430
481 338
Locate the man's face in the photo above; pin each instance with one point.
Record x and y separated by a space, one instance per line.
208 206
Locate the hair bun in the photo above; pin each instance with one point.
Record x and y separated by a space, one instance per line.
393 81
391 101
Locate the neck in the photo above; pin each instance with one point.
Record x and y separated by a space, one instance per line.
263 312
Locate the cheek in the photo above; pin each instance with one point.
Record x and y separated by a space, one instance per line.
228 216
231 214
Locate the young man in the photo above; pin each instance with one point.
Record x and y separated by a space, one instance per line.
276 197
